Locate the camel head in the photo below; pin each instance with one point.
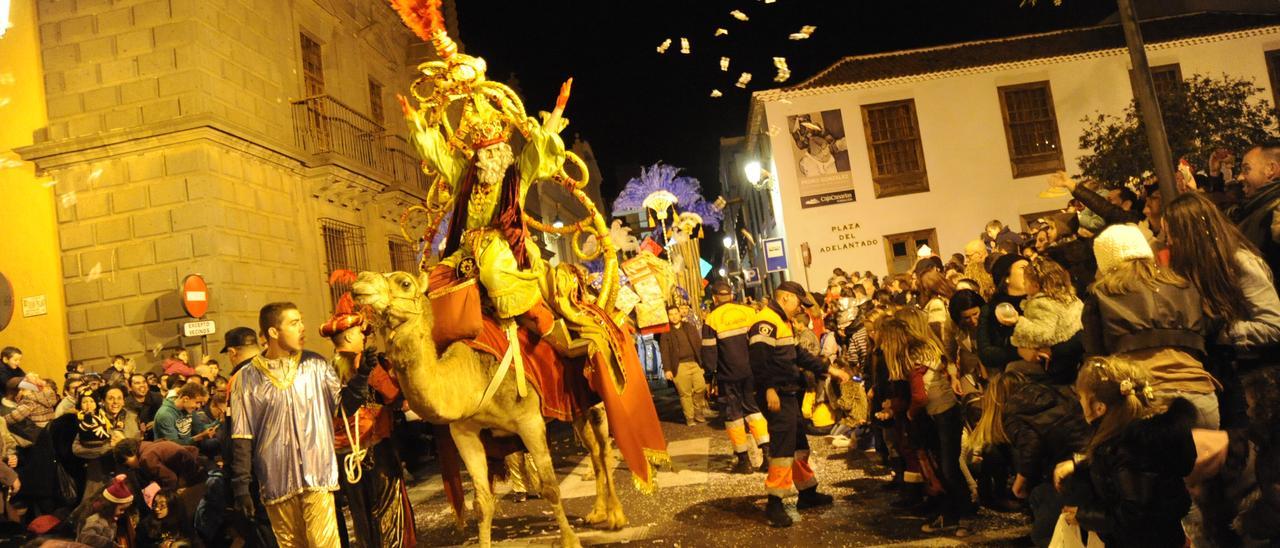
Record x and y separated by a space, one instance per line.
396 296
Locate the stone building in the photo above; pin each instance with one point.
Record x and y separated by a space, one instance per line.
257 143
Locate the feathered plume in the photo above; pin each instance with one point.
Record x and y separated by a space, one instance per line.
343 278
421 16
661 177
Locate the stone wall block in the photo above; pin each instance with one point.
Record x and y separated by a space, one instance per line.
167 191
146 167
102 98
104 316
173 247
89 206
152 14
112 230
101 259
140 90
81 78
156 63
183 160
140 311
61 106
119 71
75 236
76 322
70 265
135 42
160 111
124 342
81 292
122 118
97 50
115 21
76 29
130 199
158 280
151 223
88 347
136 255
119 286
61 57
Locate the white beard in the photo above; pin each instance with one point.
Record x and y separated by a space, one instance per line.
493 161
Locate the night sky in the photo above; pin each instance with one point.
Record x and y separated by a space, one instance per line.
637 107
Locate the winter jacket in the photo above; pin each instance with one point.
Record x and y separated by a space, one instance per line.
1130 490
1045 426
1046 321
1259 222
174 366
667 346
1167 317
994 348
169 464
776 359
1006 238
724 341
1259 516
1262 327
174 424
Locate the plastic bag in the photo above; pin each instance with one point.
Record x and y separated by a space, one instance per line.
1066 535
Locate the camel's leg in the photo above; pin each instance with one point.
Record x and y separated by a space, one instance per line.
467 438
599 426
533 431
586 434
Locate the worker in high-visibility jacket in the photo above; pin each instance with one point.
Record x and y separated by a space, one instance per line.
724 346
776 361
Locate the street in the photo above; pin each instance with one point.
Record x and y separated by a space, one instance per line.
699 504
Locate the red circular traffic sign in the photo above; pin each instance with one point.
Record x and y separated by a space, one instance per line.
195 296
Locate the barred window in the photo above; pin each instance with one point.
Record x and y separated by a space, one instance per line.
312 67
343 250
1031 127
403 257
900 249
893 145
375 101
1166 78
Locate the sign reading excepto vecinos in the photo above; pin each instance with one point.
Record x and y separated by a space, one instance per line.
197 329
195 296
775 255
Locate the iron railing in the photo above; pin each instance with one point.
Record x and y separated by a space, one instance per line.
324 125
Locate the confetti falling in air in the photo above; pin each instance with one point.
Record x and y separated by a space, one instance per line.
155 350
9 163
665 44
94 273
51 183
4 101
743 80
715 93
724 64
95 174
68 199
784 73
737 14
804 34
684 46
7 79
721 32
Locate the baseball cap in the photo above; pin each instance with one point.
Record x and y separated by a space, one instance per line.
799 291
240 336
721 287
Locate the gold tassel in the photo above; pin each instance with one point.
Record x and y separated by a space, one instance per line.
652 220
700 233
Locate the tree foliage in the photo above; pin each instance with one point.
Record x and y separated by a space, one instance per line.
1200 115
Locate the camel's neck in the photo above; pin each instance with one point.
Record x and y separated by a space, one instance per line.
427 380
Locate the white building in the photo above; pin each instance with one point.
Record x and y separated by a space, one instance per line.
925 146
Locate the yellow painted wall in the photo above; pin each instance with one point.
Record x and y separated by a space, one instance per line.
29 253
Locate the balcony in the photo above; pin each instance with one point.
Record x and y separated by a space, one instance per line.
324 126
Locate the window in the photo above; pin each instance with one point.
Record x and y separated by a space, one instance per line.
900 249
1031 128
312 67
893 145
403 257
1029 218
375 100
343 250
1273 70
1166 78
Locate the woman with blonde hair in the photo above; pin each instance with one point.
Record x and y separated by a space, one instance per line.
893 393
1151 316
1128 484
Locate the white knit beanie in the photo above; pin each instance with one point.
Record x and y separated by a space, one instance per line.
1120 243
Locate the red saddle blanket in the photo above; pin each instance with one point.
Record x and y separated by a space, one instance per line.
560 381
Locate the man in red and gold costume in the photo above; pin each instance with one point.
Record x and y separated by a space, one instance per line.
371 478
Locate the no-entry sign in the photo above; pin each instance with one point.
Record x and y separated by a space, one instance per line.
195 296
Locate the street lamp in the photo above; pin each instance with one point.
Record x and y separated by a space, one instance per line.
723 272
728 242
757 175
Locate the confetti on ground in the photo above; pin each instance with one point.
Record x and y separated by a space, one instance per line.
724 64
716 93
804 34
665 44
721 32
744 79
68 199
684 46
737 14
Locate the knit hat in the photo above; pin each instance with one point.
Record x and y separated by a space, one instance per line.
1001 267
118 492
1120 243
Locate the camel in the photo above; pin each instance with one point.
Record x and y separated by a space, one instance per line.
446 389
